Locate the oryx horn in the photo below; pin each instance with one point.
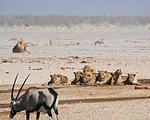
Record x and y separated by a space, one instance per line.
12 91
22 86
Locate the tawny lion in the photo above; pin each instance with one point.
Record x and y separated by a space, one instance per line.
58 79
131 80
20 47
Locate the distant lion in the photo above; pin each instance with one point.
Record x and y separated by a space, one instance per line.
20 47
78 77
103 77
98 43
88 68
58 79
116 78
131 80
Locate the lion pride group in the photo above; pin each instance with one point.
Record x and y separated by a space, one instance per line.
88 76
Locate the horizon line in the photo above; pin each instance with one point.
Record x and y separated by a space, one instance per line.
81 15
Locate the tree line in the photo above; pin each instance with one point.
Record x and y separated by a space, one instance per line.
57 20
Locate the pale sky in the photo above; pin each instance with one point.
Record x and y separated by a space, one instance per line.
75 7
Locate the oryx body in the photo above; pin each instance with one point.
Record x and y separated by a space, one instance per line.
35 99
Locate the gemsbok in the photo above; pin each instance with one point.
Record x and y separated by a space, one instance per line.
34 100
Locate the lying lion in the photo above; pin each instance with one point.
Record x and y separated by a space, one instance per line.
77 79
103 77
58 79
20 47
88 78
131 80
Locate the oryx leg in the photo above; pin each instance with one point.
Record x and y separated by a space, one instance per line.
27 115
37 115
56 112
50 115
48 111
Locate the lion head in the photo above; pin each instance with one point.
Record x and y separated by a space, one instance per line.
77 79
88 68
118 71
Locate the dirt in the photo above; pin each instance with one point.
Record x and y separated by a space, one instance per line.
74 48
90 102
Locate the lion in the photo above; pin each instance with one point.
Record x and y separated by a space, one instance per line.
103 77
88 68
58 79
116 78
98 43
20 47
88 78
131 80
89 75
78 77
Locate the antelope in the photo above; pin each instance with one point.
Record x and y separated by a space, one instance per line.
34 100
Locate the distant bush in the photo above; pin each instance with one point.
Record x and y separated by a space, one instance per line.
72 20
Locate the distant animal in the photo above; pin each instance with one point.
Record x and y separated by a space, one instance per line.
58 79
131 80
51 43
20 47
88 78
88 68
103 77
116 78
34 100
98 43
78 77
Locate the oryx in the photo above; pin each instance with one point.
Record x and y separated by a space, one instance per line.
34 99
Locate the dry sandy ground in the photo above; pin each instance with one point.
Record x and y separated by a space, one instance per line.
104 103
126 48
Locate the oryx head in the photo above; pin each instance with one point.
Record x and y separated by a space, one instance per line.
13 110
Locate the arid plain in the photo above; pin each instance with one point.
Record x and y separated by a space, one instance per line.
66 50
